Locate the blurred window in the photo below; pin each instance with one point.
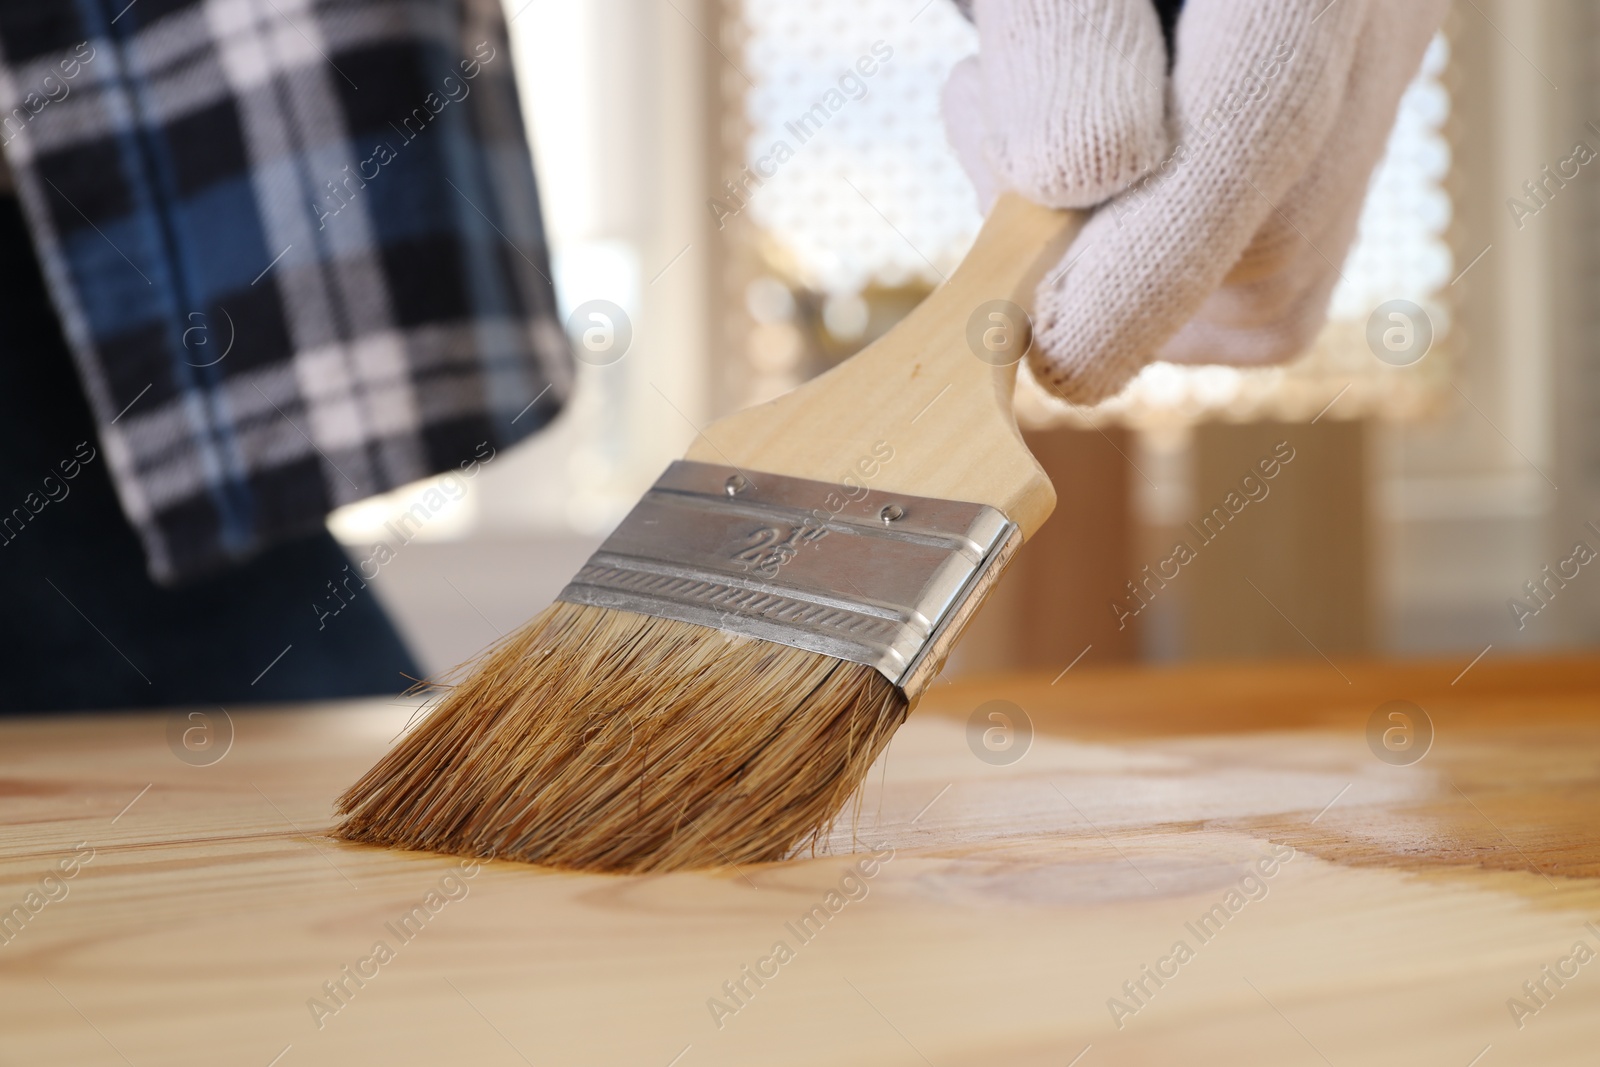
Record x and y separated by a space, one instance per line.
857 208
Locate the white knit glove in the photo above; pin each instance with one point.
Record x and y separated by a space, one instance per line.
1228 248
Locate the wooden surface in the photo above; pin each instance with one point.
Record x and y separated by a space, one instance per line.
921 390
1017 902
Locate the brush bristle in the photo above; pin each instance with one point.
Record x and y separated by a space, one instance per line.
609 741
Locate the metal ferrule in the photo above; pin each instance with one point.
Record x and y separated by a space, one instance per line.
877 578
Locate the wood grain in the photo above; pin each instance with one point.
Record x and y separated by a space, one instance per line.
1017 901
921 390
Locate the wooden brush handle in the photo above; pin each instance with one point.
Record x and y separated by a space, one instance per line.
920 391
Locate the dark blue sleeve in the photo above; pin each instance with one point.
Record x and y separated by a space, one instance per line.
1168 10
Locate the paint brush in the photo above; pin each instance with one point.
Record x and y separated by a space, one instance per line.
715 681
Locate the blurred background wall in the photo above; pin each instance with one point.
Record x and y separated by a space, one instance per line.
749 247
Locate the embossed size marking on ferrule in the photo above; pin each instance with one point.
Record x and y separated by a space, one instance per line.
774 561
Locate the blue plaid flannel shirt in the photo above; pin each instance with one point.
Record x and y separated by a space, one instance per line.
295 247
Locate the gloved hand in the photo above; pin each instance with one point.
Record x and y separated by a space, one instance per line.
1222 229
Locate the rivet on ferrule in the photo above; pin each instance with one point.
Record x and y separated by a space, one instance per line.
736 484
891 512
